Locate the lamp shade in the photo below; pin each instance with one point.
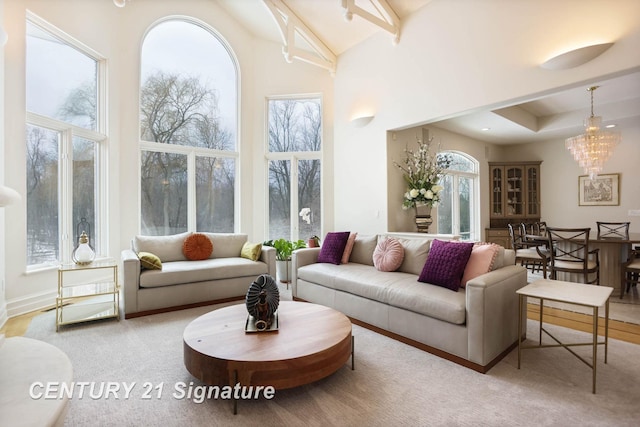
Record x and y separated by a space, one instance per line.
8 196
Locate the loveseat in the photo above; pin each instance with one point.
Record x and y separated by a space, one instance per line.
172 281
474 326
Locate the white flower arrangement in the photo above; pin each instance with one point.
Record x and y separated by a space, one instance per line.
422 172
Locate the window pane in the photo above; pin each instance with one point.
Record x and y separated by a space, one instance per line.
84 190
215 192
465 189
280 199
164 193
445 207
42 195
310 214
459 162
294 125
189 88
61 81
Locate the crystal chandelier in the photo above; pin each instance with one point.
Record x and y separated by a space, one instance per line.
594 146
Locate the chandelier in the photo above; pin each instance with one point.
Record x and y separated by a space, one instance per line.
594 147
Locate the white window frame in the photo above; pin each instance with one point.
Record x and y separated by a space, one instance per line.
294 157
190 151
475 200
65 155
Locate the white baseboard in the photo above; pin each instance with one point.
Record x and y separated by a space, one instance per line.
18 306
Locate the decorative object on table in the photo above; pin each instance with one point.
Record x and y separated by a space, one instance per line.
83 254
594 147
601 190
314 242
262 300
284 248
422 171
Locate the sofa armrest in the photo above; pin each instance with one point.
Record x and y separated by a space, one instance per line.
268 256
492 312
130 280
300 258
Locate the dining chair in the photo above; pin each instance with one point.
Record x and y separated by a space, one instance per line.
613 230
630 272
571 253
529 255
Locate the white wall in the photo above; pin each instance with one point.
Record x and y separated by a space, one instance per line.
456 57
117 35
559 182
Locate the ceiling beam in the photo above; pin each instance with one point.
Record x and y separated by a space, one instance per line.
290 25
386 19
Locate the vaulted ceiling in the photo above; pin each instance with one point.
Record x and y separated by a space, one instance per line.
548 116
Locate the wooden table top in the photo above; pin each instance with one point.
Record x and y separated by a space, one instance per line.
304 329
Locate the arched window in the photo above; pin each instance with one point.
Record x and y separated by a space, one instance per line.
188 130
459 208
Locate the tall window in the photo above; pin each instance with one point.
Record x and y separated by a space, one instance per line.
64 135
295 144
188 130
459 210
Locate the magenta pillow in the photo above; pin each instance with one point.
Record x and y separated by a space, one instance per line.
333 247
445 264
388 255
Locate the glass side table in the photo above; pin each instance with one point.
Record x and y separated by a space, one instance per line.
87 292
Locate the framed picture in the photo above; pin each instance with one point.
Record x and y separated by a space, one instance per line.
603 190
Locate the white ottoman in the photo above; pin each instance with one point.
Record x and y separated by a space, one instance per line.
24 361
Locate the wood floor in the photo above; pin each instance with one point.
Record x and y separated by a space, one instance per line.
17 326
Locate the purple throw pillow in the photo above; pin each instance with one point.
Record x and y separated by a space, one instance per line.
445 264
333 247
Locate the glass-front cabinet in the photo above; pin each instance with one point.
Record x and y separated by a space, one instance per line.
515 192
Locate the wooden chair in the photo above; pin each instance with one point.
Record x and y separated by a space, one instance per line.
528 254
571 253
613 230
630 272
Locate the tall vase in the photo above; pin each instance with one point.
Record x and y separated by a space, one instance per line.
423 217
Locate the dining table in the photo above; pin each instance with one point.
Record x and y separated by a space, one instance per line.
612 253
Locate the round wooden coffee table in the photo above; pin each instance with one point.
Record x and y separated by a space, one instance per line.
312 342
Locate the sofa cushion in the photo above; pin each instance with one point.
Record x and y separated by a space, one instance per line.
445 264
179 272
149 261
388 255
415 255
333 247
348 248
251 251
429 300
197 247
363 248
226 245
481 260
394 288
167 248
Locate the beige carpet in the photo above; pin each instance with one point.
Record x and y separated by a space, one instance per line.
393 384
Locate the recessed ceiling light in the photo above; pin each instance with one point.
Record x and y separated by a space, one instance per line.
485 129
610 126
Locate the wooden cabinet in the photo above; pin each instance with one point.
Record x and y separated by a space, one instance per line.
514 197
498 236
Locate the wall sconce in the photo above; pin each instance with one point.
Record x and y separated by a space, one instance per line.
575 57
362 120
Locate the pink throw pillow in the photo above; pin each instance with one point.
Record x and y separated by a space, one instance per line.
480 261
347 249
388 255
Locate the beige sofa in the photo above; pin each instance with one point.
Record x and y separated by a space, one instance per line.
182 283
475 326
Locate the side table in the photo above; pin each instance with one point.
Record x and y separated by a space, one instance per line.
571 293
93 289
